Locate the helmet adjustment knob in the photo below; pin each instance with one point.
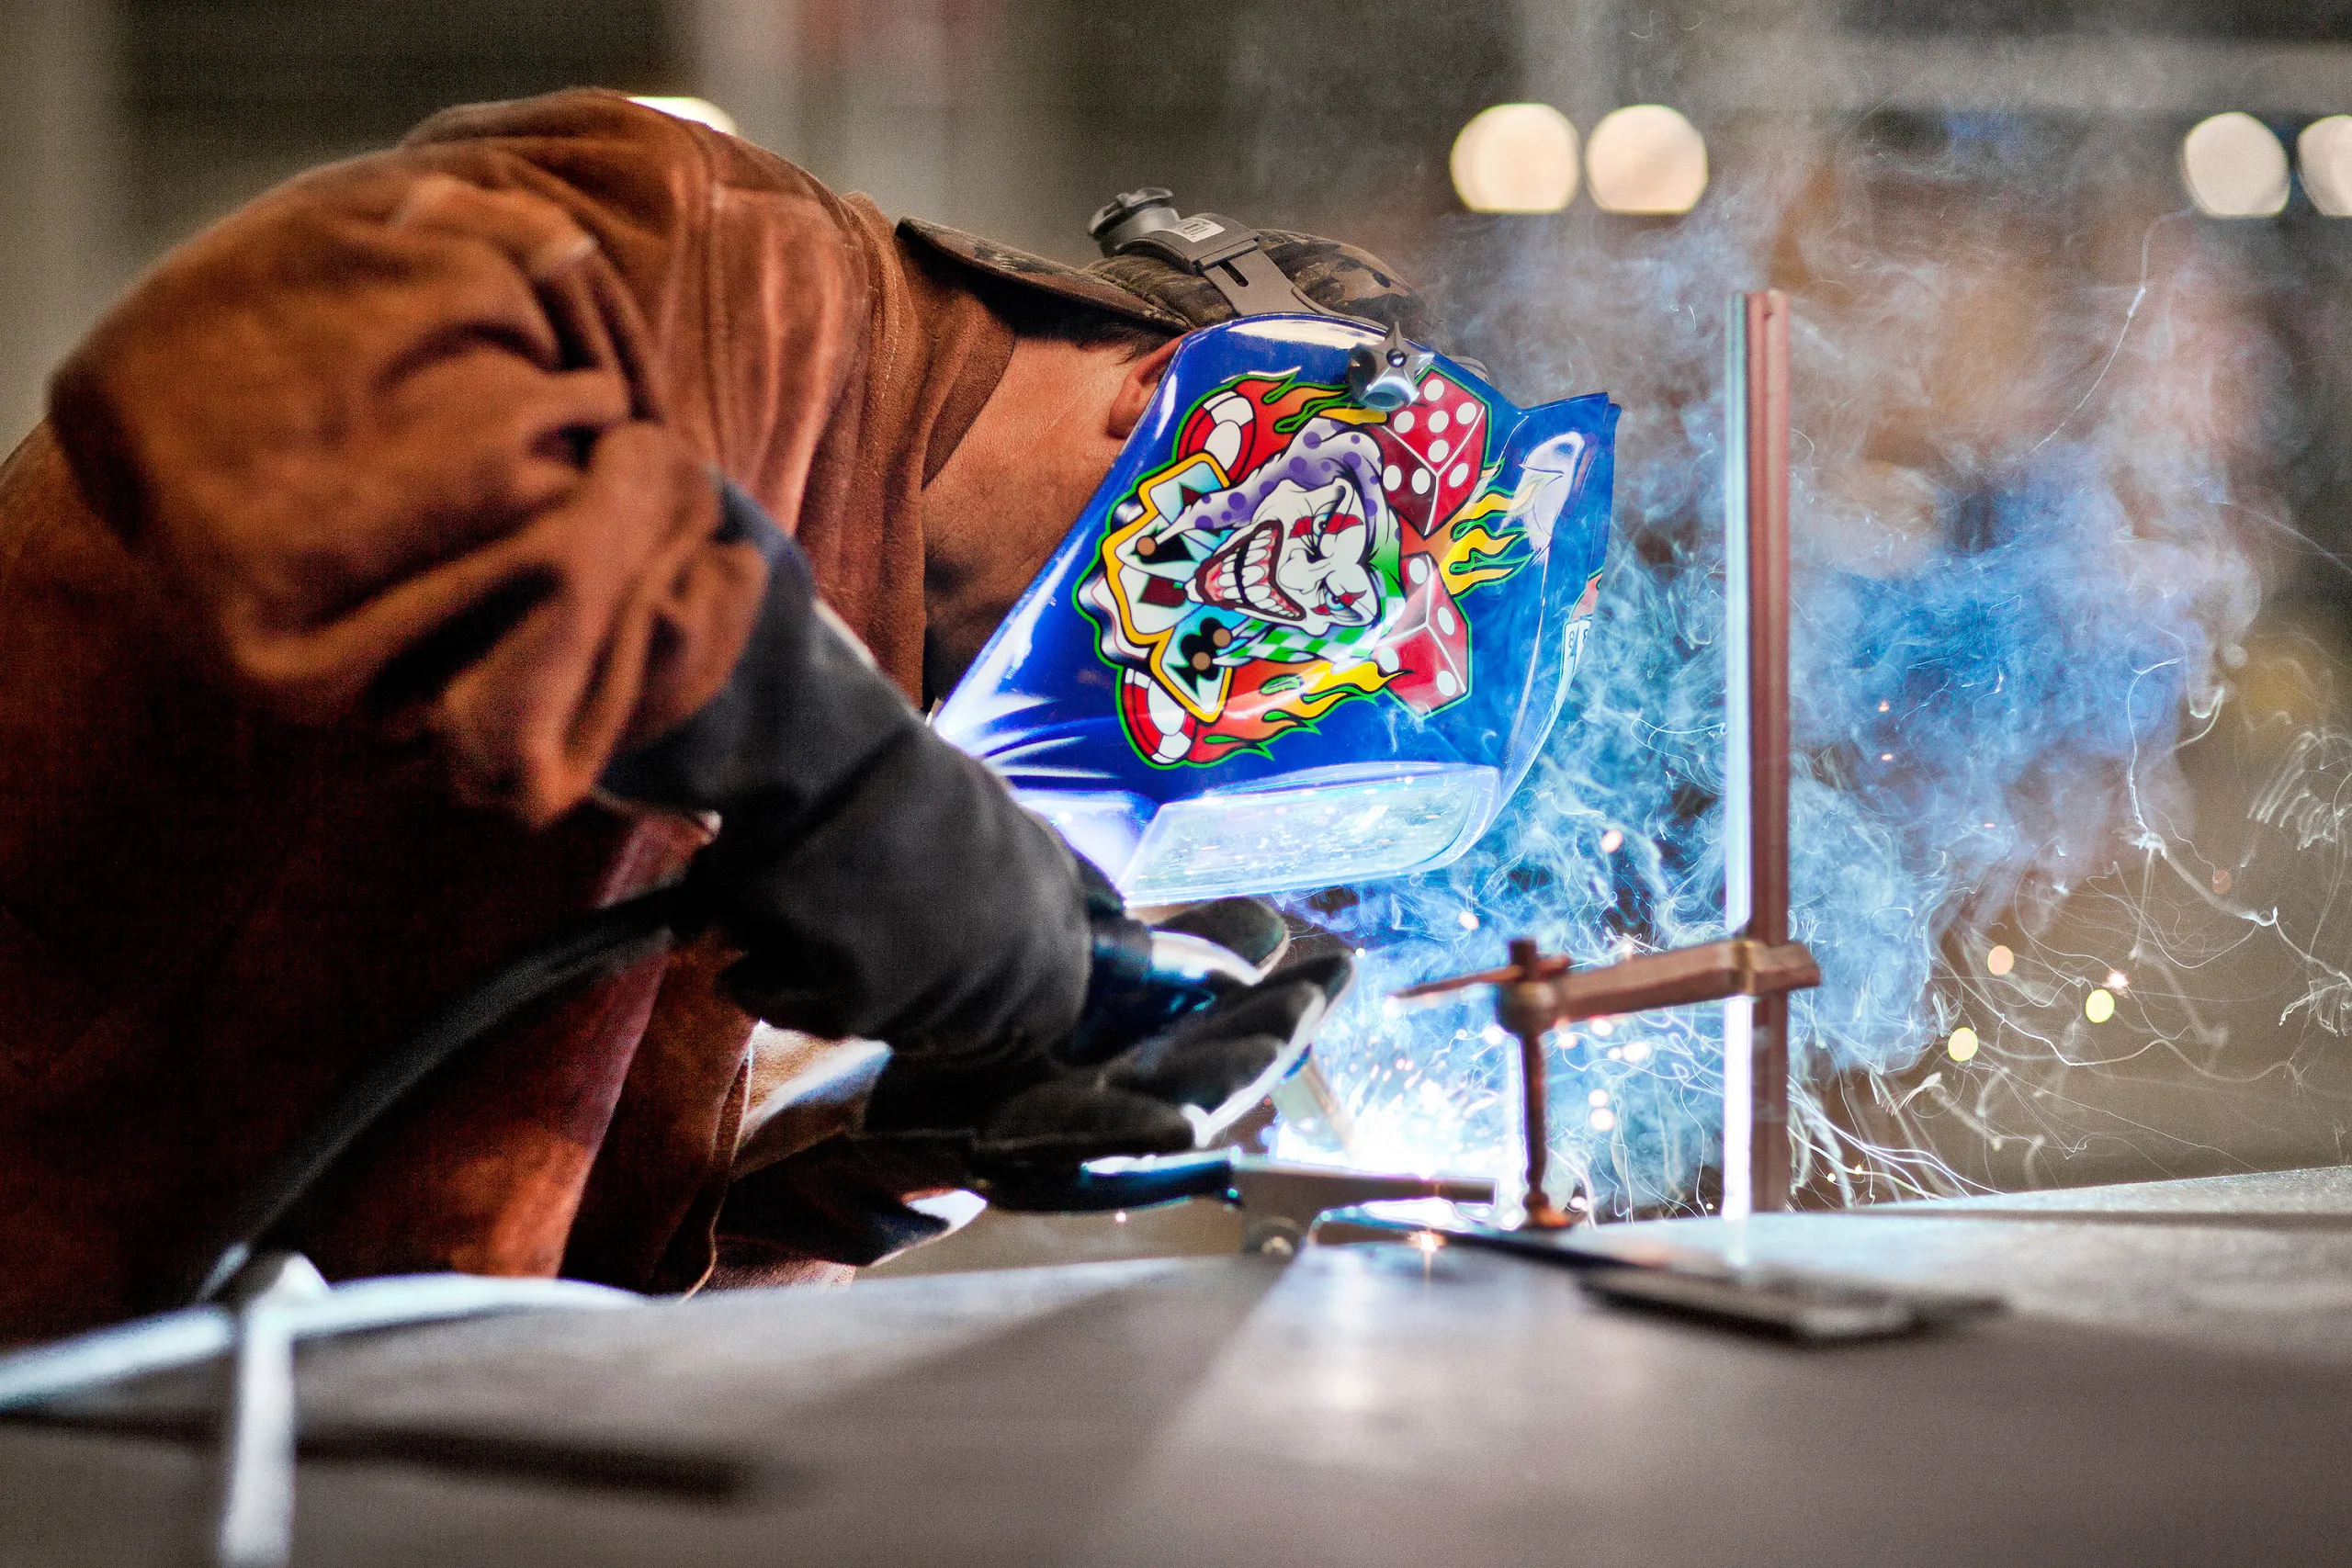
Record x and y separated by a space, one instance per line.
1388 378
1130 215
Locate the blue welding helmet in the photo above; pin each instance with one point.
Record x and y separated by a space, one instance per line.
1314 626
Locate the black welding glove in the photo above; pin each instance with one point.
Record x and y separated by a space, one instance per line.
1159 1065
881 883
1019 1129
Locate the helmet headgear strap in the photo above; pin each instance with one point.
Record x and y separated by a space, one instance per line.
1228 255
1232 257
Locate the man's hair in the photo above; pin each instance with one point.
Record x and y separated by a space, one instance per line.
1039 315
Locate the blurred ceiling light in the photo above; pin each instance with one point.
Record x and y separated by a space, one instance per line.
2324 153
701 110
2234 167
1516 158
1646 159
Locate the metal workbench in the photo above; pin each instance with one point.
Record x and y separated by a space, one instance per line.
2173 1385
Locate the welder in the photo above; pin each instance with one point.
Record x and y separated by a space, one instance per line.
461 538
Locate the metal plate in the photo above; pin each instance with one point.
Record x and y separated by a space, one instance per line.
1365 1405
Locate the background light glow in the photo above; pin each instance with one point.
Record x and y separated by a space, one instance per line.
1516 158
1646 160
2235 167
2324 154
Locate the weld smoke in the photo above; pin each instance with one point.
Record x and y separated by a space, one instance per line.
2008 599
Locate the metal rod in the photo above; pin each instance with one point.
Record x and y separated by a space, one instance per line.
1676 977
1767 687
256 1528
1755 968
1528 1006
1756 890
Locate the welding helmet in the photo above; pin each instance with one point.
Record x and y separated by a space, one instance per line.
1321 614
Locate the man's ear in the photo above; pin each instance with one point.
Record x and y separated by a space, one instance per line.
1135 390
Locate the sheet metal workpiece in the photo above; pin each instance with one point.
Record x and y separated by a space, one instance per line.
2170 1388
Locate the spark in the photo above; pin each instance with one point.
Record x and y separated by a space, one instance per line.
2131 314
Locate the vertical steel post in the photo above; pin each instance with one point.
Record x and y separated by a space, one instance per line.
1756 762
1527 1010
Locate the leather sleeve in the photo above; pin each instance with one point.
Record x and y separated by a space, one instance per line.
804 711
424 441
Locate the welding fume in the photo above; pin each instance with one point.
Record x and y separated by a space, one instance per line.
471 620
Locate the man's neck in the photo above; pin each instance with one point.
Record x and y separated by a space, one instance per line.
1009 493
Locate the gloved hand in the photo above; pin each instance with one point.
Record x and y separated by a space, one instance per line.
1166 1062
881 883
1020 1130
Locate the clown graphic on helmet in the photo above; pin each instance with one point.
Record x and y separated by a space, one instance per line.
1249 664
1297 550
1303 558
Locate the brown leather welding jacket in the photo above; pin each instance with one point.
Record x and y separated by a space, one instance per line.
360 533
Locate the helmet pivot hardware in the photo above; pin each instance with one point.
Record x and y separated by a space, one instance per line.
1386 377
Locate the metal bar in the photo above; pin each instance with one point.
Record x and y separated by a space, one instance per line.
1678 977
1757 965
1767 393
255 1529
256 1523
1768 614
194 1336
1529 1007
1740 1012
1767 687
1535 1117
1686 974
1755 883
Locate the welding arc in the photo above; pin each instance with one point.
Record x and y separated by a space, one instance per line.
606 941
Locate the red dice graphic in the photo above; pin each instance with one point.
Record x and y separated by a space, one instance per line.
1427 656
1432 453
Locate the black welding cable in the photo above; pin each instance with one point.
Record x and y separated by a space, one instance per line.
606 941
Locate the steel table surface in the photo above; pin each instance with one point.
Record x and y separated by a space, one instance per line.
2174 1387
